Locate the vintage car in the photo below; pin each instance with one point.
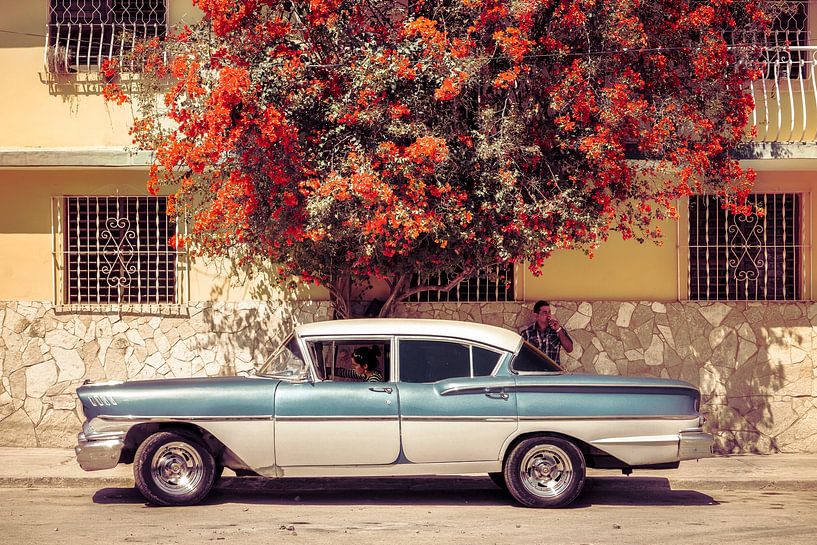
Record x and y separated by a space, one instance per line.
455 397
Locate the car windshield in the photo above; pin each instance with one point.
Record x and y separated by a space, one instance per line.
530 359
286 362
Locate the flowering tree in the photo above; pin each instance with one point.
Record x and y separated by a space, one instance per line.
352 139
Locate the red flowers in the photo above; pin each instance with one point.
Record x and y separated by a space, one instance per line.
356 139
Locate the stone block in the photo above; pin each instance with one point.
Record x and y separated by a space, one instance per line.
33 353
17 430
62 339
60 388
65 402
34 409
40 377
644 333
17 384
59 428
611 345
714 312
654 354
70 363
134 337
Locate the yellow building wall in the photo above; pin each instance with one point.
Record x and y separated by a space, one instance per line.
26 261
627 270
619 270
40 109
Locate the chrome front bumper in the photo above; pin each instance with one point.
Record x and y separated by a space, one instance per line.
694 444
99 452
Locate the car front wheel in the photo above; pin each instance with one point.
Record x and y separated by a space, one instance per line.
545 472
173 469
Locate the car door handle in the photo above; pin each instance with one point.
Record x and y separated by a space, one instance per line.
496 393
384 389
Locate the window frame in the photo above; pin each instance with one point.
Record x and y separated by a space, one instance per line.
57 59
176 260
396 363
804 191
454 295
361 339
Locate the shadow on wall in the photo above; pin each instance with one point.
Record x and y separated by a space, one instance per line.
245 334
752 361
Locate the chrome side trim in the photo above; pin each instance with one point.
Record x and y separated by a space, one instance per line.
512 387
610 417
459 418
603 387
134 418
102 400
456 390
336 418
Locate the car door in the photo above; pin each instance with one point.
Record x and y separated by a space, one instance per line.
330 423
451 409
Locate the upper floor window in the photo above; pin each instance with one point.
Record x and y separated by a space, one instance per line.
495 283
746 258
115 250
81 33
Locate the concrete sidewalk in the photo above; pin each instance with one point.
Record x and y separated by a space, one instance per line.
49 467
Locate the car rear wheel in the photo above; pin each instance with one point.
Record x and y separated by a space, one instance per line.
545 472
173 469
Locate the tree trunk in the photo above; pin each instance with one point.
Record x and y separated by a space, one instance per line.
340 294
396 294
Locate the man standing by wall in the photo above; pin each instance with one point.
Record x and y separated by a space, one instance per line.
546 333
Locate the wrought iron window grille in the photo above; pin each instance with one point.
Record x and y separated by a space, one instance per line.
116 250
491 284
82 33
737 257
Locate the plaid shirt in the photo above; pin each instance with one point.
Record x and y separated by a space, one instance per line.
547 341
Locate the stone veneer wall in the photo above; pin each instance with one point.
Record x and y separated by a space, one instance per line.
755 363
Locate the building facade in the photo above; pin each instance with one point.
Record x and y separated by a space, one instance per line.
90 289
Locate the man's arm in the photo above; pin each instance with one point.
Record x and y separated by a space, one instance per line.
564 338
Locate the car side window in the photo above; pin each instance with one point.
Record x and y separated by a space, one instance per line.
430 361
333 358
484 361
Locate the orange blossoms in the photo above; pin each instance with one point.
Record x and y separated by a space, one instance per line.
349 139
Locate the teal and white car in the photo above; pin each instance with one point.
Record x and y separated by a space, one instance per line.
455 397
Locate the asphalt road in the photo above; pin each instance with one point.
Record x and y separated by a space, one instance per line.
343 515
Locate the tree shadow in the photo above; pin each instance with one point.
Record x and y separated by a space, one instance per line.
244 333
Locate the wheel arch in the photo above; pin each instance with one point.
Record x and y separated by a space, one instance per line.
586 449
137 434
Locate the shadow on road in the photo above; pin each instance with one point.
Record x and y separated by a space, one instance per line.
476 491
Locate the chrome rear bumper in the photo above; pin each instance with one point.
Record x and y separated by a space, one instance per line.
100 452
694 444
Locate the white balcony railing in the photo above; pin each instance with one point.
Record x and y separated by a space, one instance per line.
786 98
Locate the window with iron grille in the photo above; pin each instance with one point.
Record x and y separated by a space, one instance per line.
116 250
495 283
81 33
746 257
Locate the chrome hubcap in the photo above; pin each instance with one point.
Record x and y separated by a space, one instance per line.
177 468
546 471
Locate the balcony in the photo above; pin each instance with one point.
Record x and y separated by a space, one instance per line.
786 98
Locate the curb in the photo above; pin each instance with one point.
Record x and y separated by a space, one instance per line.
391 484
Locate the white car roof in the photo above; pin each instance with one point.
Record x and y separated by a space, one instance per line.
486 334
